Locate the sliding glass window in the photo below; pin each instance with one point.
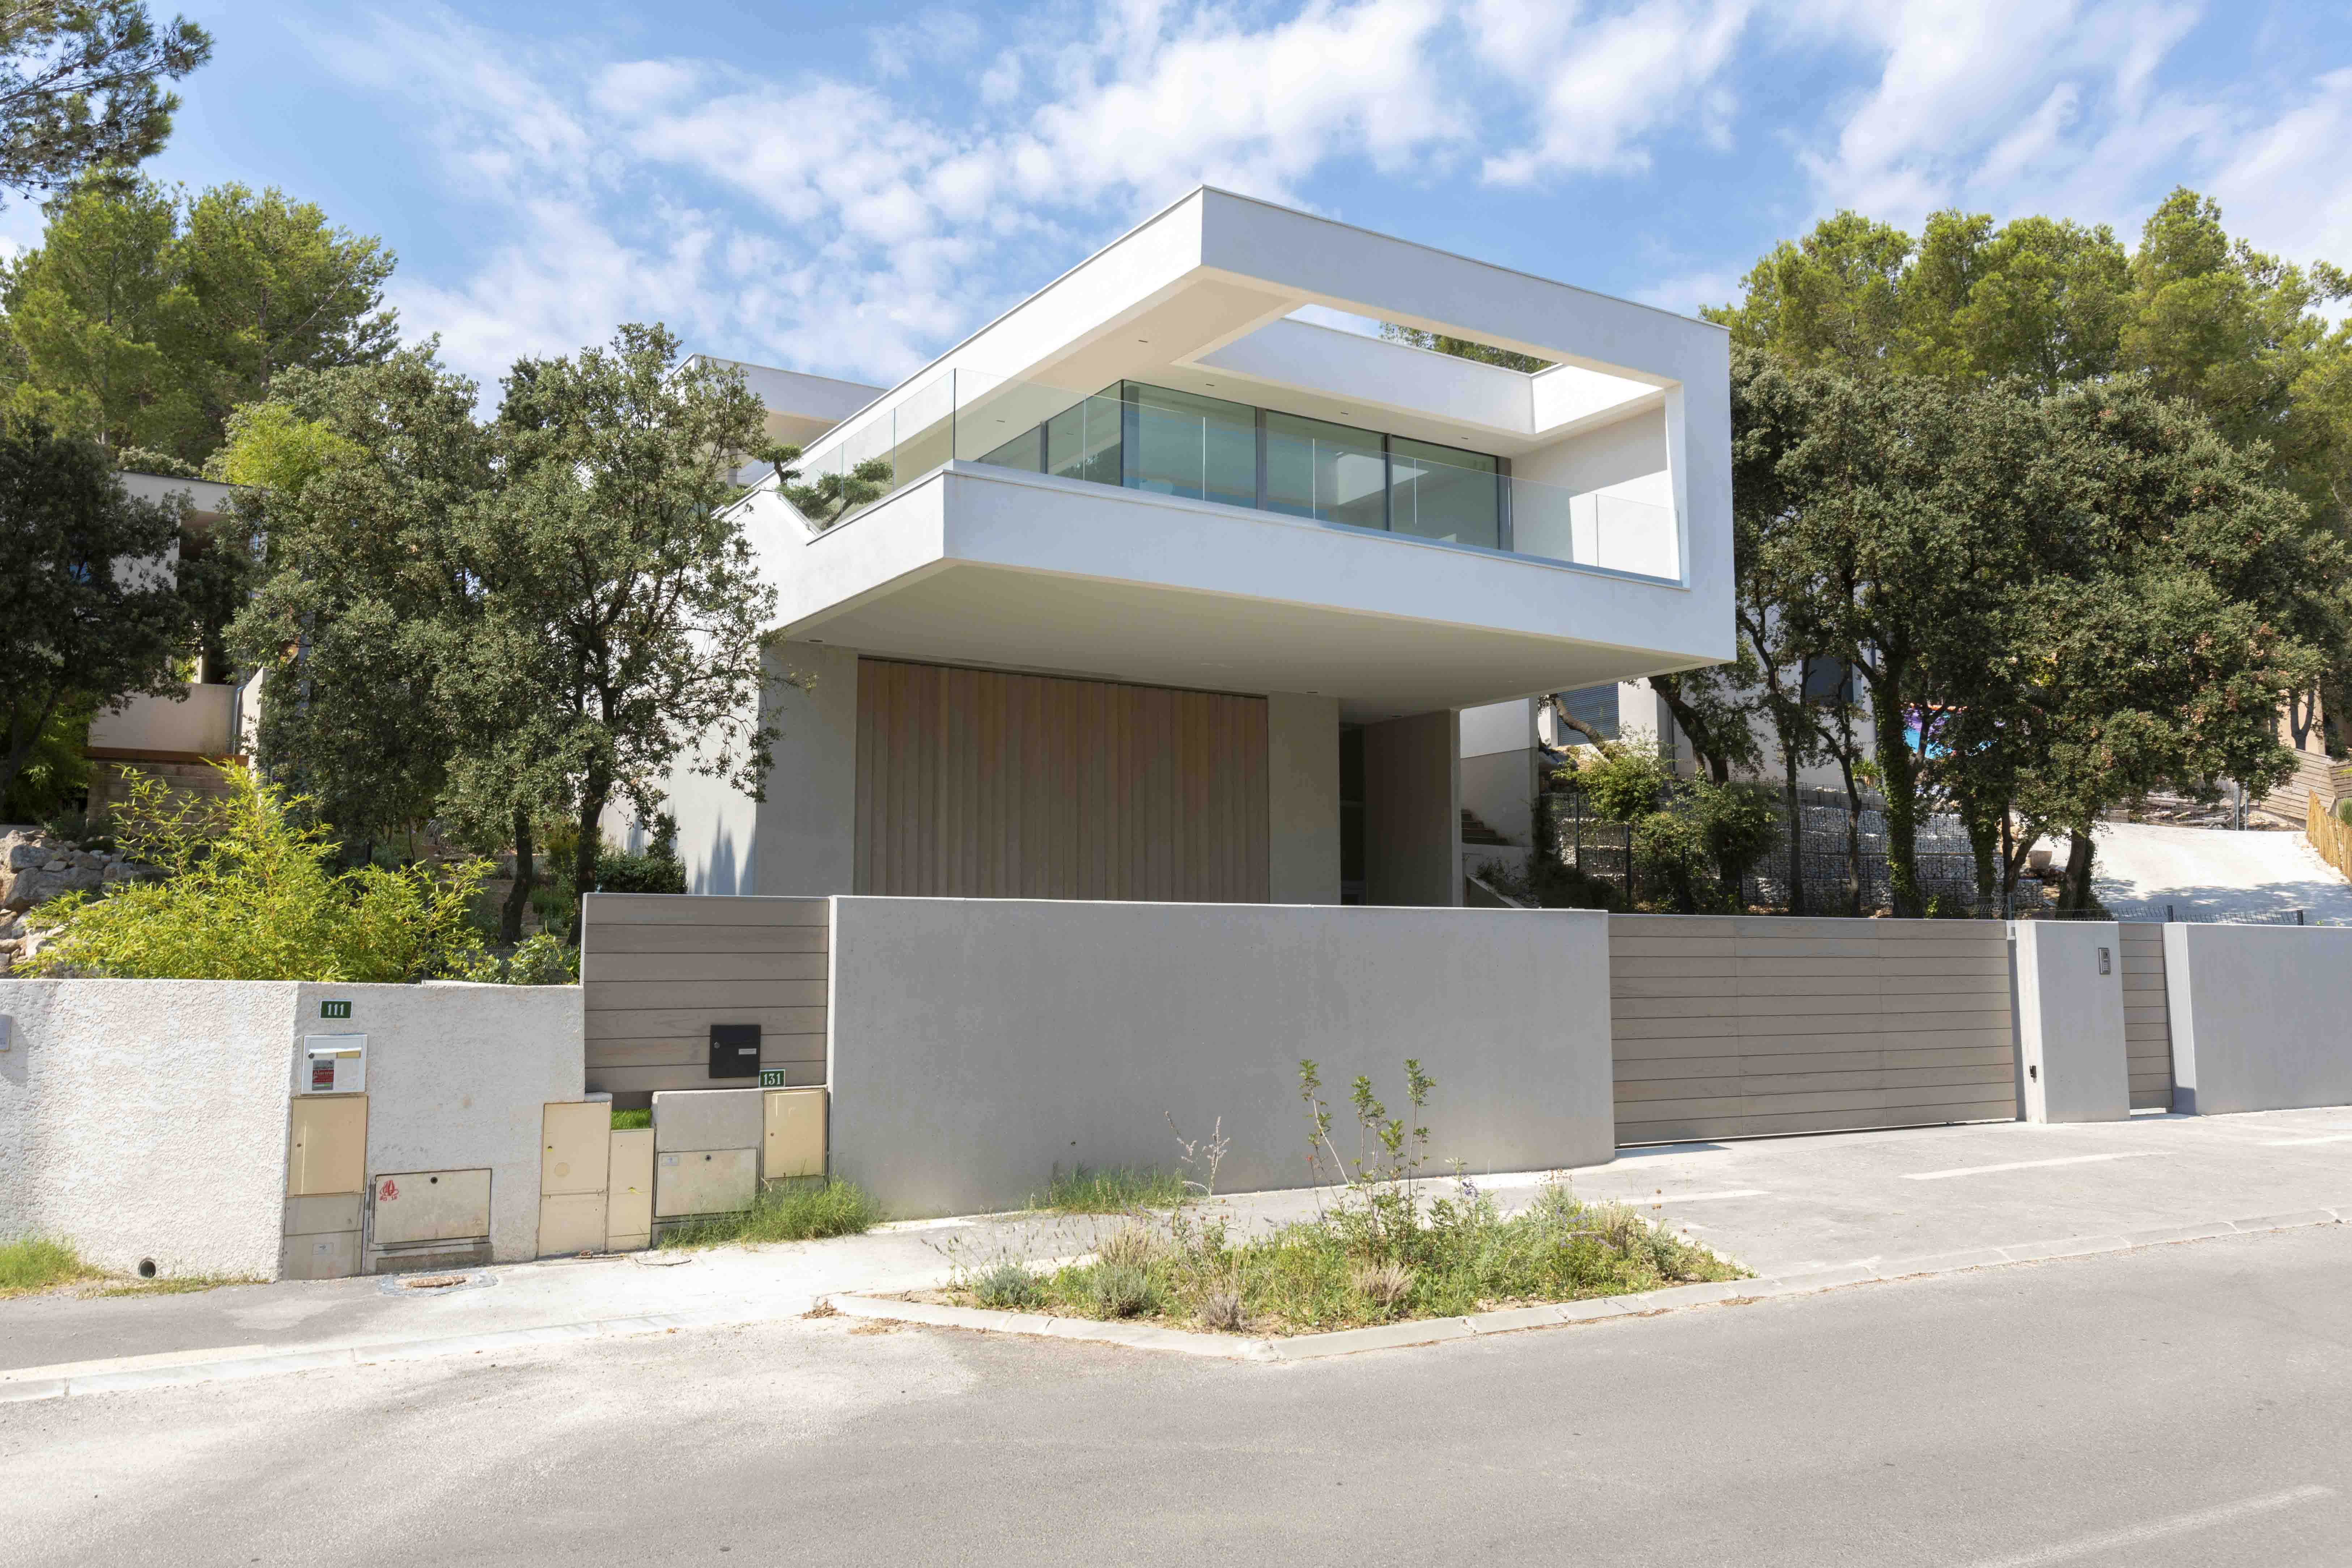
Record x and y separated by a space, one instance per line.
1173 443
1442 492
1181 444
1333 472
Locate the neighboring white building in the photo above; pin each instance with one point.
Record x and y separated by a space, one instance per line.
1175 596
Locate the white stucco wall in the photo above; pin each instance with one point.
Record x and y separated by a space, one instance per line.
457 1076
146 1119
801 839
1302 798
977 1044
2258 1016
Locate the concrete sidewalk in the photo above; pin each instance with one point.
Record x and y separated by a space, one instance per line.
1781 1207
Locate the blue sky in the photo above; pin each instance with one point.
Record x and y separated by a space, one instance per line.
848 189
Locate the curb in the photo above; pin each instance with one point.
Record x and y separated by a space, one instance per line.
1517 1320
182 1368
179 1369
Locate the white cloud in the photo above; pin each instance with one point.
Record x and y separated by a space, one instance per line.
1601 85
856 222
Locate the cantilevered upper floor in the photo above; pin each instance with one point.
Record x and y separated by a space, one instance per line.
1153 470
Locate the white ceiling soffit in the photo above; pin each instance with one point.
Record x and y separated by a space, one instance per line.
1411 382
1376 667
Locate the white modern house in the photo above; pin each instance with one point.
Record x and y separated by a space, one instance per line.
1175 596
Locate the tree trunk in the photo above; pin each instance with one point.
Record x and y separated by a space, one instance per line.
1984 839
1796 828
1900 771
593 796
2076 894
1686 721
518 896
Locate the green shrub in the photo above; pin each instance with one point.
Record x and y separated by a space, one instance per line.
787 1211
40 1263
1122 1289
541 959
1007 1288
248 895
622 1121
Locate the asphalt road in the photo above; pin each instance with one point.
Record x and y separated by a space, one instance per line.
2179 1405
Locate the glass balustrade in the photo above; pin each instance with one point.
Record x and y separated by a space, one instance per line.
1162 441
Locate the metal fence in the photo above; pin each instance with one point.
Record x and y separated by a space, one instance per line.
1837 881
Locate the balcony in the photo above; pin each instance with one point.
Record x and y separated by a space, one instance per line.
210 722
1158 440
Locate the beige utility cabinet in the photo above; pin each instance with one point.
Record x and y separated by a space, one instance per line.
575 1146
414 1206
326 1173
795 1145
575 1150
629 1201
326 1149
704 1180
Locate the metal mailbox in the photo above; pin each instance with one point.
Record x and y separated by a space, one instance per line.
734 1050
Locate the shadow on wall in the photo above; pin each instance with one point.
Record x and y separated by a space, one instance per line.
718 870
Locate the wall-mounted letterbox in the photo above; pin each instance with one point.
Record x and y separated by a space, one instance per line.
333 1064
734 1050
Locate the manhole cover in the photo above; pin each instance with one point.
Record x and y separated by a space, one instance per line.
434 1281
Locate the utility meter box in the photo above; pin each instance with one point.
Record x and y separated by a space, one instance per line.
794 1143
333 1064
414 1206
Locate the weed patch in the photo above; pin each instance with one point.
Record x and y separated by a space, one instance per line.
1116 1191
1376 1251
177 1284
787 1211
32 1263
624 1119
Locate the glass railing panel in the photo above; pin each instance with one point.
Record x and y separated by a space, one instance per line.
924 433
1203 448
1333 472
1165 442
1084 441
1434 493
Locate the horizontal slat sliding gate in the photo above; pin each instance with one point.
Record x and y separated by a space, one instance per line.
1744 1025
2148 1020
657 970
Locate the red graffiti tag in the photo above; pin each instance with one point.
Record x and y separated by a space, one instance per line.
388 1193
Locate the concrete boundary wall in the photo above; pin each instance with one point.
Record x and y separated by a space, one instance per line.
147 1119
977 1044
2259 1016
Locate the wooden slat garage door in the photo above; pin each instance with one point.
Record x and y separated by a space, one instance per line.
1740 1027
657 971
2148 1024
974 783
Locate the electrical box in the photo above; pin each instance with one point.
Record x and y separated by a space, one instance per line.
707 1181
570 1223
326 1146
333 1064
430 1205
629 1198
795 1144
694 1118
575 1142
734 1050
